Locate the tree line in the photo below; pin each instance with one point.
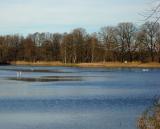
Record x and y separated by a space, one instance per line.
123 42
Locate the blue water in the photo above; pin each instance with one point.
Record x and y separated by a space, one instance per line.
102 99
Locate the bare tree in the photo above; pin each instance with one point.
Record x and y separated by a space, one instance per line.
153 14
56 41
117 43
90 48
158 45
151 29
79 36
130 39
109 40
125 37
93 47
141 46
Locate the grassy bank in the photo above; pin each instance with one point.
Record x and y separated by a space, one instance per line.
150 119
100 64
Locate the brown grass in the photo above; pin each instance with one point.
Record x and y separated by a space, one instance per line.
150 119
119 64
100 64
38 63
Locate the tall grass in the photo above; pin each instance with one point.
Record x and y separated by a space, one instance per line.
150 119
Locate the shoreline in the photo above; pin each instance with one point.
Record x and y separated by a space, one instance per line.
92 65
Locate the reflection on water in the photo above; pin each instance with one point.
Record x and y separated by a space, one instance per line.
45 78
33 70
75 98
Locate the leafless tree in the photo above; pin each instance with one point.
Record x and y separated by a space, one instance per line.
151 29
153 14
109 40
117 43
125 37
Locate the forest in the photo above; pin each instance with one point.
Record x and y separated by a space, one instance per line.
123 42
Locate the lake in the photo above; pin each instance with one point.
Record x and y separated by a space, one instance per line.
75 98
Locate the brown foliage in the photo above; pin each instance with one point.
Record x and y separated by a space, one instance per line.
123 42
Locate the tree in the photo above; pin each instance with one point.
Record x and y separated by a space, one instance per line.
158 45
130 39
93 44
68 49
117 43
154 13
56 41
29 49
151 29
141 47
15 41
109 40
3 51
125 37
47 50
79 36
91 48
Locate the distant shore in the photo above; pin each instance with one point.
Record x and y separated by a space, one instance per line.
4 63
92 65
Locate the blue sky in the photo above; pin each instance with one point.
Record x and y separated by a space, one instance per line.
29 16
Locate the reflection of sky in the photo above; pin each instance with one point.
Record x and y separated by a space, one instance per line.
105 99
21 16
95 83
68 120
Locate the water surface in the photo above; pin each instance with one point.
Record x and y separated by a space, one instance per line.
91 98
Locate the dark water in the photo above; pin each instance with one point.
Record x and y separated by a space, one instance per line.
98 98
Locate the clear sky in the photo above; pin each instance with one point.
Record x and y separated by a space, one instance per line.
28 16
